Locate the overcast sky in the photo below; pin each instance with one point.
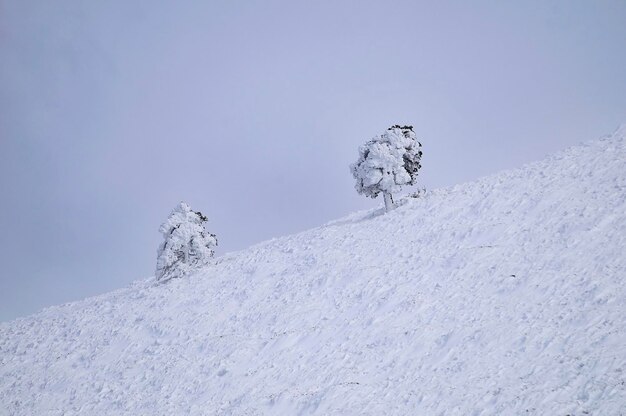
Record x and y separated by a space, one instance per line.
111 112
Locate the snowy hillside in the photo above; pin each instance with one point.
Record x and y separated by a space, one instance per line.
501 296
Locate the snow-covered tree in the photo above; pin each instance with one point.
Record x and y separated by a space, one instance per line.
387 162
187 246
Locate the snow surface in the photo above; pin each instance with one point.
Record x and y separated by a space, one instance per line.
501 296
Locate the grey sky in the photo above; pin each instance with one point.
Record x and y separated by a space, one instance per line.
111 112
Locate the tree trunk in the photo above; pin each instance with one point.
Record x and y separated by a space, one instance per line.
388 201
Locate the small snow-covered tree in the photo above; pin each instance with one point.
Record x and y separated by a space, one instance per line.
187 246
387 162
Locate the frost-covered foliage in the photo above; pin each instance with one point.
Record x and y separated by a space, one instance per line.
187 246
387 162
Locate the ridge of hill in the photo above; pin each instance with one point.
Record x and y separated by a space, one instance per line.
505 295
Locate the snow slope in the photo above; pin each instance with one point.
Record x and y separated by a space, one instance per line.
501 296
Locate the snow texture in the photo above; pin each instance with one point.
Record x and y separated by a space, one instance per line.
187 246
503 296
387 162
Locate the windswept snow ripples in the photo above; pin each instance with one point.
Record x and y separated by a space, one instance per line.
501 296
